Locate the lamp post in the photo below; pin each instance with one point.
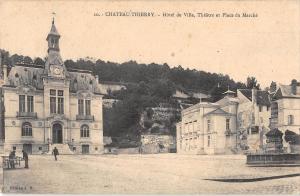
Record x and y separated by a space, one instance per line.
48 142
72 143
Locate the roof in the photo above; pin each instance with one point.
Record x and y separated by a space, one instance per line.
228 100
33 76
228 92
53 30
286 91
218 111
262 97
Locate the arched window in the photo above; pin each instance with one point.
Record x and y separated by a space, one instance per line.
84 131
26 129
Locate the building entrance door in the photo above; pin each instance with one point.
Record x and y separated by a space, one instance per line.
85 149
27 148
57 136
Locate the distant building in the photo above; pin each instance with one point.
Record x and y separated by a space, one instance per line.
156 143
208 128
285 109
188 98
254 111
107 87
50 106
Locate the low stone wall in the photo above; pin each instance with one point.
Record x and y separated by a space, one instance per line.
295 148
273 159
128 151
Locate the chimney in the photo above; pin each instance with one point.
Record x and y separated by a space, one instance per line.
294 86
254 95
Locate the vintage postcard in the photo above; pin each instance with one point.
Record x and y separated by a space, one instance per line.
150 97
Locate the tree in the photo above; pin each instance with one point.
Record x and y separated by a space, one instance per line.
39 61
27 59
252 83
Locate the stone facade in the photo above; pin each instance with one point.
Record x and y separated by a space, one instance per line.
285 111
253 116
208 128
153 143
286 108
49 106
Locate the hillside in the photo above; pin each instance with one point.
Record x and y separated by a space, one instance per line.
148 85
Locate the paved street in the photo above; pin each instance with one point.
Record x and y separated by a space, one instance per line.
165 173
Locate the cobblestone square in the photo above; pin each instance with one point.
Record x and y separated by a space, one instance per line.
143 174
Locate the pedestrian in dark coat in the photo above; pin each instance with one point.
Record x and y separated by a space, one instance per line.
55 153
25 157
11 157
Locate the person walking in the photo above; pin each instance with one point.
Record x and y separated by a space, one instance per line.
11 157
25 157
55 153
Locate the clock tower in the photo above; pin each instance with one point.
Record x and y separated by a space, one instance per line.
54 65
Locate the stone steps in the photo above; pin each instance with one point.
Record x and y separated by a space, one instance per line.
62 148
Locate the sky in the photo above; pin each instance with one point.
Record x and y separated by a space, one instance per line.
267 46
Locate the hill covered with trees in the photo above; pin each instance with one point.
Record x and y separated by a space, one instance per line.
148 85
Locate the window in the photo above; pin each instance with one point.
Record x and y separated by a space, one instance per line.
21 103
84 131
87 107
52 105
26 129
40 148
260 108
290 119
84 107
59 108
80 106
60 93
196 126
268 107
208 125
14 148
274 110
253 118
30 103
227 124
60 105
208 141
60 102
52 92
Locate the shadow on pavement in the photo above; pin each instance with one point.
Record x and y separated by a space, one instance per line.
254 179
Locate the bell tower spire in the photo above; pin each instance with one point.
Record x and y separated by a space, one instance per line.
54 65
53 37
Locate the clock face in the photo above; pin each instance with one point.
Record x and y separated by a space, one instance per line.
57 71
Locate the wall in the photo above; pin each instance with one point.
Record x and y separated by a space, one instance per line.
151 143
287 107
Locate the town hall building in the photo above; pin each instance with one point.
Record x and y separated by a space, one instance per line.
49 106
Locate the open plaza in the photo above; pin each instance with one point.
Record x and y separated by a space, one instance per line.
149 174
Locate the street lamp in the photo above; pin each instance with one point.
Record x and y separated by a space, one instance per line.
48 142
